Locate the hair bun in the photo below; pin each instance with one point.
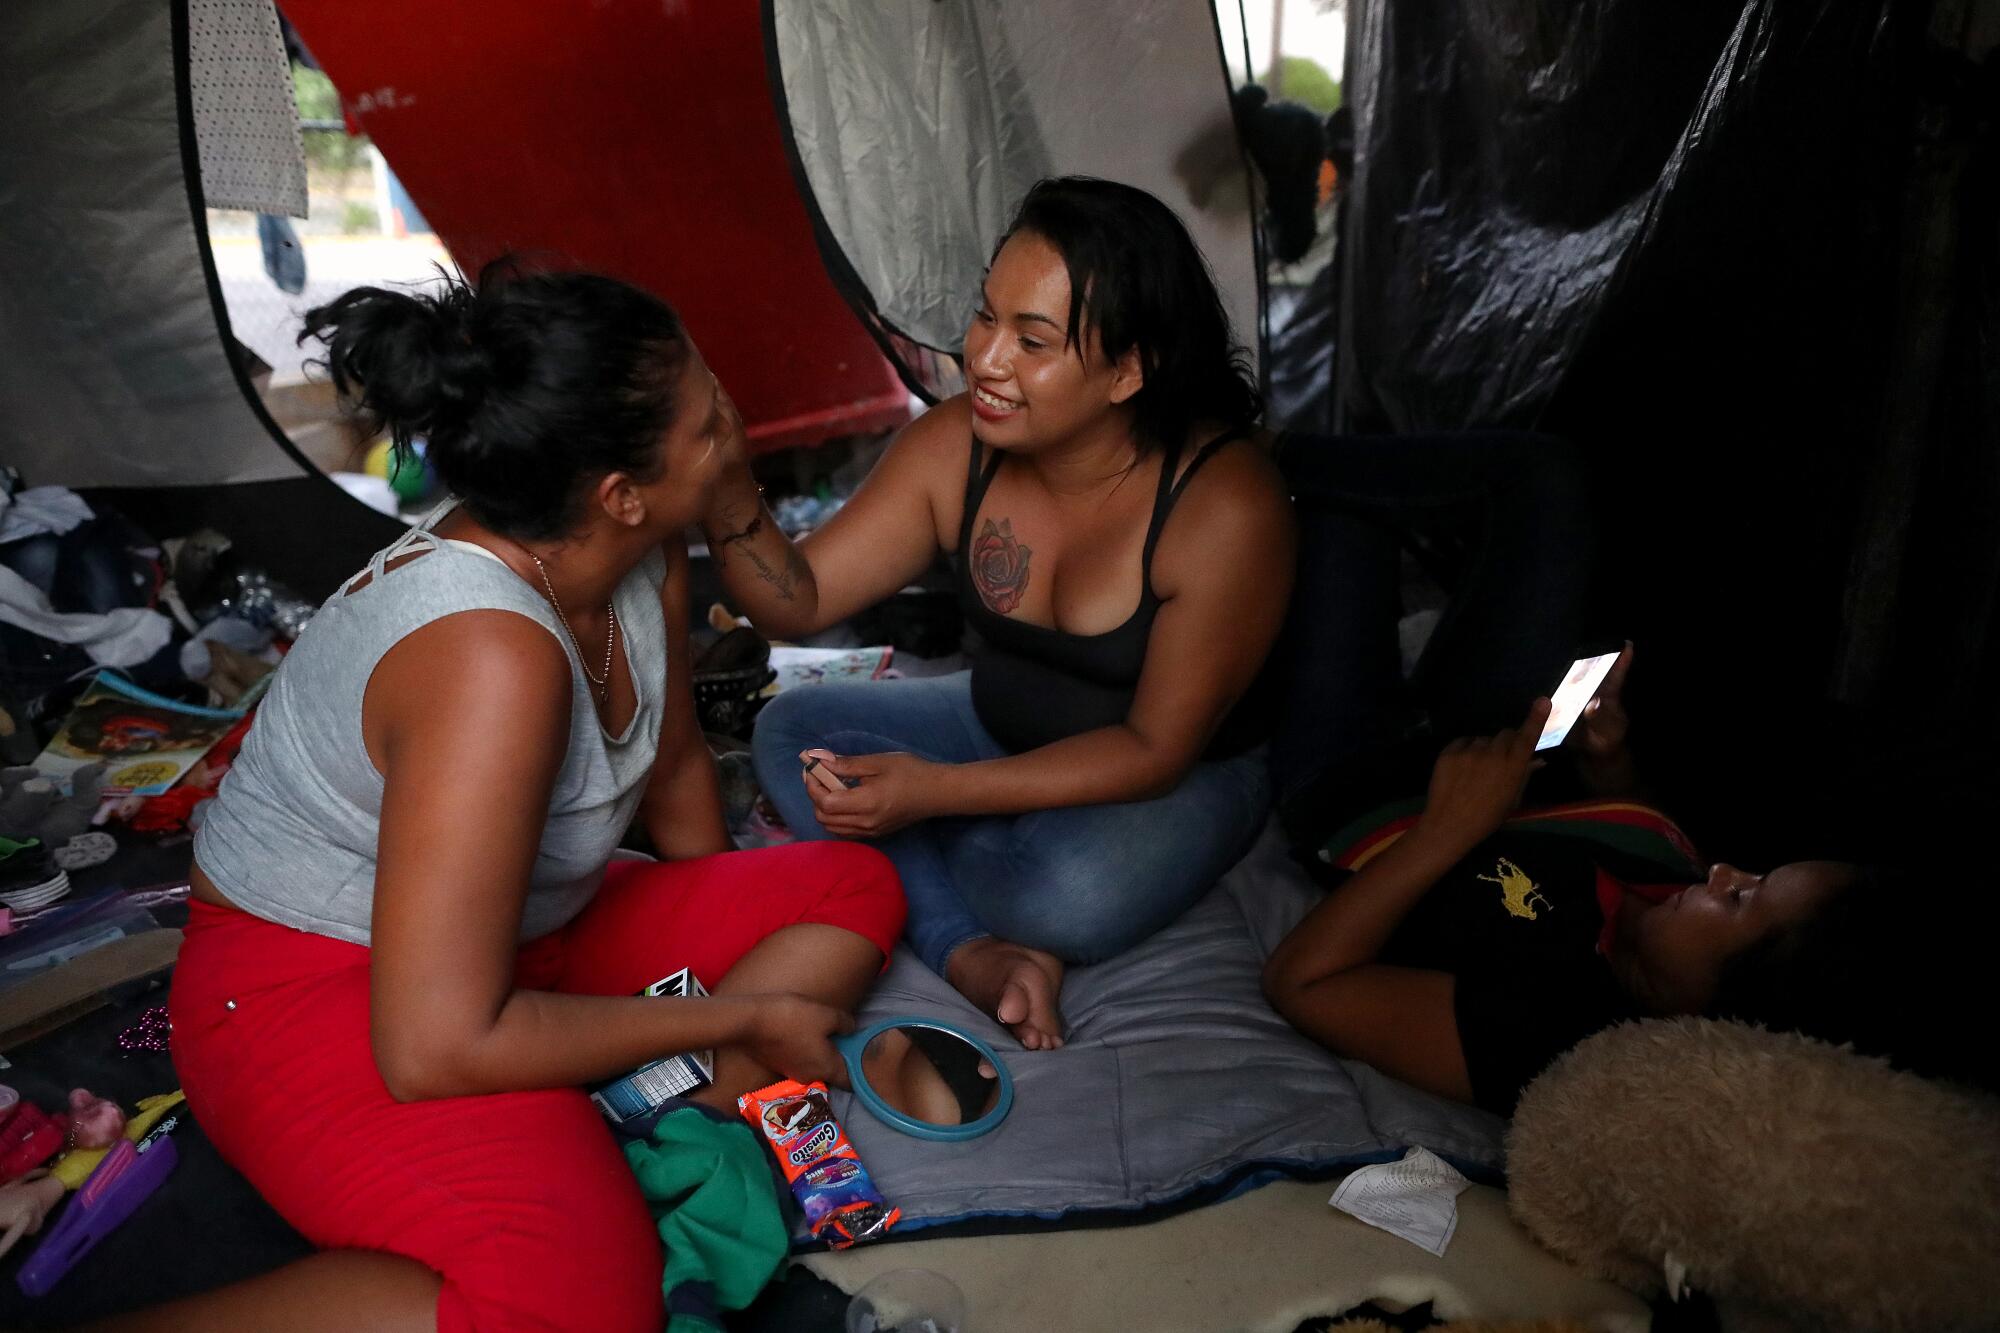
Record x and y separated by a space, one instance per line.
411 361
525 385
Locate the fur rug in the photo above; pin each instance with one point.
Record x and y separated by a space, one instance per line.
1798 1184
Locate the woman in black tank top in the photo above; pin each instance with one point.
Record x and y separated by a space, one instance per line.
1123 554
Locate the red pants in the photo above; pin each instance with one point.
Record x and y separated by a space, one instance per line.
522 1202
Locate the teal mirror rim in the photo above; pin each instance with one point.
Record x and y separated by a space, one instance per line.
852 1045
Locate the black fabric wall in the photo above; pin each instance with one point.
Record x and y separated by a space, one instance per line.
305 532
1744 253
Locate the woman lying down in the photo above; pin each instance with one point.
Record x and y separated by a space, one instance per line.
1473 942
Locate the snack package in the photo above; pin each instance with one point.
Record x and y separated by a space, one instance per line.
826 1175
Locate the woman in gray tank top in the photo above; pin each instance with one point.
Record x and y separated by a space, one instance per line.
407 951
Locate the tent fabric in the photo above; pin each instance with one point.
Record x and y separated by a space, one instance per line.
113 368
246 119
1178 1083
919 126
1526 175
1744 255
634 140
915 198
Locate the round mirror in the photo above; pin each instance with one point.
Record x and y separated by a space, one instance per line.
927 1078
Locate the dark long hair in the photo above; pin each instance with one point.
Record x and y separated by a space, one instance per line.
1878 967
525 386
1138 281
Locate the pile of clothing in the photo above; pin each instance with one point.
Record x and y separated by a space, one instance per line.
82 590
86 594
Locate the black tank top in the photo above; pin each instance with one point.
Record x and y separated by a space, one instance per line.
1033 685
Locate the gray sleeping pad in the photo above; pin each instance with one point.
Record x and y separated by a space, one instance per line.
1176 1075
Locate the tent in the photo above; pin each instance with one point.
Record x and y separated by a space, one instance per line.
887 104
116 372
120 120
579 140
1705 247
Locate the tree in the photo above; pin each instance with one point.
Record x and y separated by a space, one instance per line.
1306 81
328 152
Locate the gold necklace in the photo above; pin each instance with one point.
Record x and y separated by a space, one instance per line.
601 683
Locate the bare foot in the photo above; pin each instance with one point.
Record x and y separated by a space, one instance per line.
1016 984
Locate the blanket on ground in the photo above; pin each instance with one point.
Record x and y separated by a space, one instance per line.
1178 1085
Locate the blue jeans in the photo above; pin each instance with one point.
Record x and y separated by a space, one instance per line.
1082 882
1352 731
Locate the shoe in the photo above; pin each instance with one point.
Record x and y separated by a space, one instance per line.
30 880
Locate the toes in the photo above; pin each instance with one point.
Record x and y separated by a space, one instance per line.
1016 1005
1042 1012
1033 1038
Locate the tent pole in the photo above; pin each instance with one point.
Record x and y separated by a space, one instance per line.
1275 80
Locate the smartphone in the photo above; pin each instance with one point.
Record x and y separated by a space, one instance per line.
1578 688
817 770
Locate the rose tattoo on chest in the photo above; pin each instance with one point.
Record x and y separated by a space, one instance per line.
999 566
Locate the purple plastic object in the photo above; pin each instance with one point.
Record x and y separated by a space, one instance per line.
126 1177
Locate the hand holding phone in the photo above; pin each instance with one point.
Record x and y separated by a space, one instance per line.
816 762
1566 705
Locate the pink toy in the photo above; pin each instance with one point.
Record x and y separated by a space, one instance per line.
94 1122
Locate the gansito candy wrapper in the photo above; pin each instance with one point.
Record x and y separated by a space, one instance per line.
841 1203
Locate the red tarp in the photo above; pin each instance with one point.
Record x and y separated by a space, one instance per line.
634 139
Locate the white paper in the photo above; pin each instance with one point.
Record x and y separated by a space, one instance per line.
1416 1198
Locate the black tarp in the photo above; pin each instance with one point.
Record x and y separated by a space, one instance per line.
1743 253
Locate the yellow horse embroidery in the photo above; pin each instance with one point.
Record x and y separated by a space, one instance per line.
1518 893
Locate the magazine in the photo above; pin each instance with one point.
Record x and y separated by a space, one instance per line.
813 666
145 740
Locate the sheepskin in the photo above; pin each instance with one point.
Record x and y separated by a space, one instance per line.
1798 1184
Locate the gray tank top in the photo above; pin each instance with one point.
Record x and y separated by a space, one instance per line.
292 834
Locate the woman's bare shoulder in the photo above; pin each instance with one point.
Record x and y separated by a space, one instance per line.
498 663
1240 478
929 458
1235 517
943 429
